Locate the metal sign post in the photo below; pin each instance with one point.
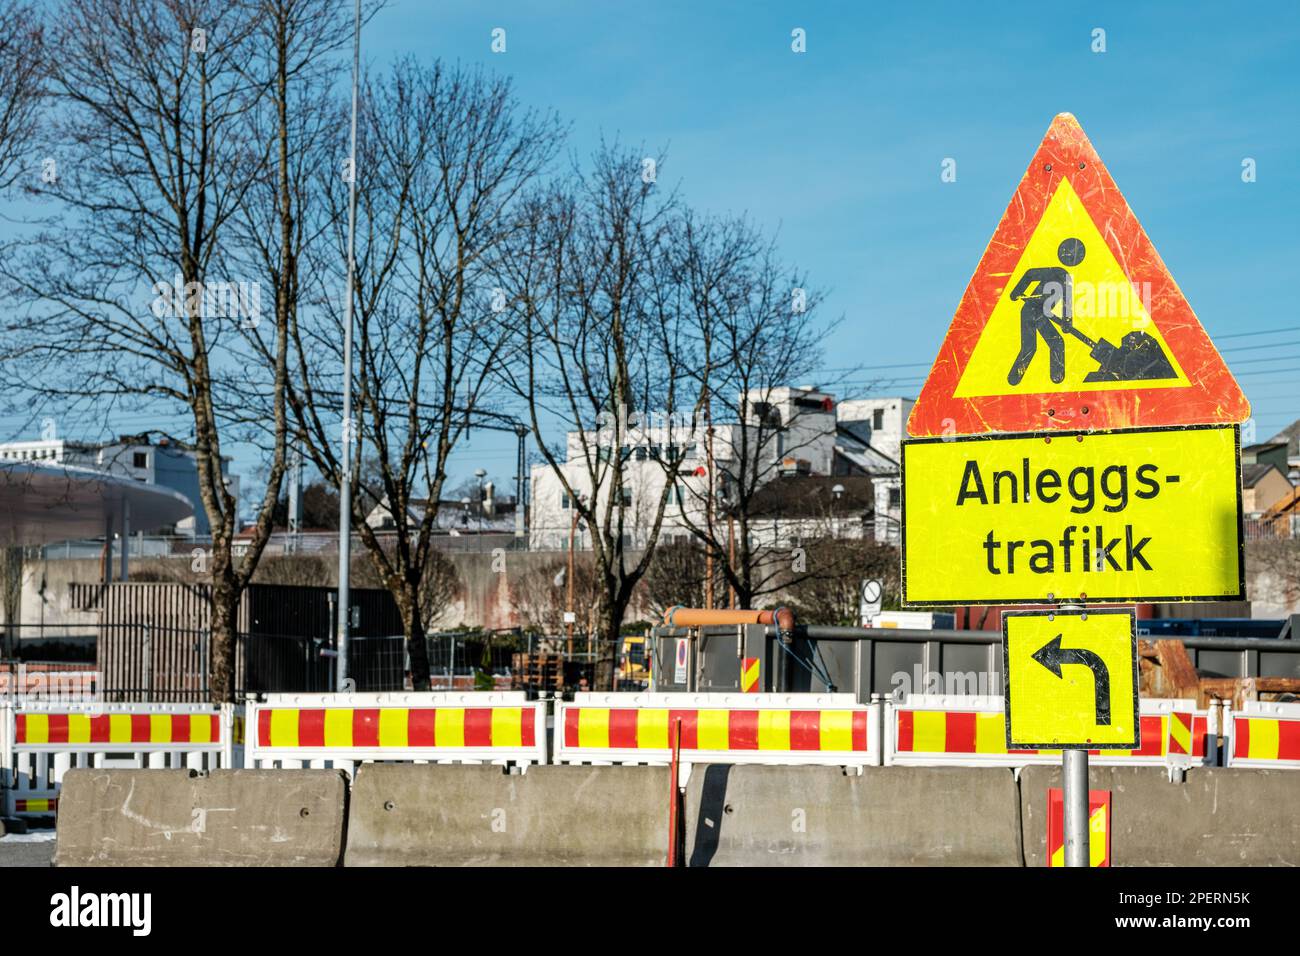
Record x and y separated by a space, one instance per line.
1074 794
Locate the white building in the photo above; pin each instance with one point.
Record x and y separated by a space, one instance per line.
165 464
802 432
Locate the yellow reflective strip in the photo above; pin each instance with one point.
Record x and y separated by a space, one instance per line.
337 728
200 729
652 730
836 729
929 731
160 728
284 728
1097 841
990 734
1181 732
1263 738
392 726
1058 857
119 728
449 727
774 730
38 728
507 726
593 727
78 728
711 730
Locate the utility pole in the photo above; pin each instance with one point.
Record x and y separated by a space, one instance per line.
568 605
343 620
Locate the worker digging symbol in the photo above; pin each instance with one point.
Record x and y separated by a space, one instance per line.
1138 357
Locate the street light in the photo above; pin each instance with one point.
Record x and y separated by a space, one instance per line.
480 474
345 479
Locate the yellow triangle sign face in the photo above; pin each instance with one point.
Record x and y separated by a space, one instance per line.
1013 355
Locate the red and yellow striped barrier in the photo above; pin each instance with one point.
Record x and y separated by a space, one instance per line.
344 728
39 729
954 730
1264 734
41 740
723 728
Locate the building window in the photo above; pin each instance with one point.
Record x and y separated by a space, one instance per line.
564 501
878 419
626 501
895 497
140 459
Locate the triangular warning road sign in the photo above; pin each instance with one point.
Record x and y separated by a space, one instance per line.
1071 320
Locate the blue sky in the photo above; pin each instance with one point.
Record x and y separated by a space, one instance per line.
839 149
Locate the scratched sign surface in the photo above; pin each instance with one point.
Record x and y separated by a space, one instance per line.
1071 680
1071 320
1060 516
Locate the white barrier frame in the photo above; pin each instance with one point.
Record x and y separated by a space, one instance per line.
654 757
984 704
35 771
347 758
1256 709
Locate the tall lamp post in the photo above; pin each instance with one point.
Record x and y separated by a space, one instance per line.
349 426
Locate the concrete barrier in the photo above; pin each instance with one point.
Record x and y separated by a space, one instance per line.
818 816
1217 817
465 815
185 818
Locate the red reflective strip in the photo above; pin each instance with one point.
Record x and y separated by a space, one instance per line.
99 728
622 727
311 727
859 730
904 731
1288 740
58 728
690 728
420 726
805 730
478 726
1022 753
1240 737
20 730
528 729
1152 745
1200 730
264 728
214 732
140 726
365 727
742 730
571 726
959 733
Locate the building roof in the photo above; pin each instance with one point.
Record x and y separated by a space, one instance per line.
1291 436
809 496
43 502
1253 474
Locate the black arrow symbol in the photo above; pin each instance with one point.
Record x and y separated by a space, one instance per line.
1051 655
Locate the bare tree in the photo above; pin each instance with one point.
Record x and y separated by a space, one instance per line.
153 162
754 335
443 155
182 134
832 595
676 576
596 323
22 40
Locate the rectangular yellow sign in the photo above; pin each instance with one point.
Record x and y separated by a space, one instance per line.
1098 516
1071 680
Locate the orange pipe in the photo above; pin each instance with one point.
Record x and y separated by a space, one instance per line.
782 617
